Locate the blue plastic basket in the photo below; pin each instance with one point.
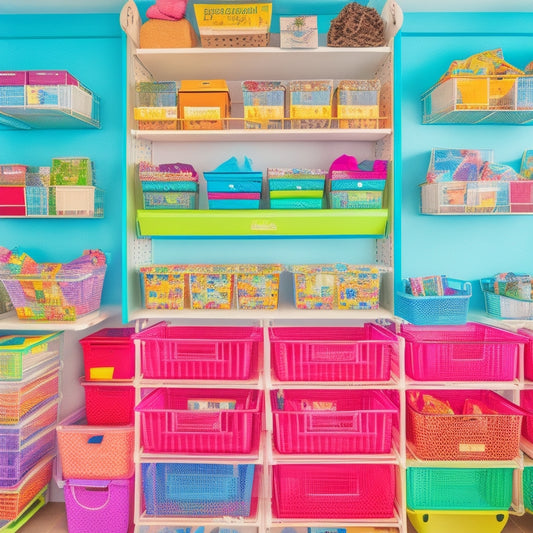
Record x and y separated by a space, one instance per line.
504 307
234 186
191 489
434 310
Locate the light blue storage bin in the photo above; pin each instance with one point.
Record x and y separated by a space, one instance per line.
357 185
190 489
296 184
234 204
296 203
234 186
12 95
36 201
168 186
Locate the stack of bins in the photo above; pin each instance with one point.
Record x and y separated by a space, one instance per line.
296 188
200 460
463 439
97 456
29 389
334 441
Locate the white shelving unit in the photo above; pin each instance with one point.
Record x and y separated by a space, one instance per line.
290 148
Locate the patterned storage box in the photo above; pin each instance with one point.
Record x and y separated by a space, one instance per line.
356 199
264 104
310 104
71 171
156 106
492 435
257 286
358 103
170 200
336 286
164 287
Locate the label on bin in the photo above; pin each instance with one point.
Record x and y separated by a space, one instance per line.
467 447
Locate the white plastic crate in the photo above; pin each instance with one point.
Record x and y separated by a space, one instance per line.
76 201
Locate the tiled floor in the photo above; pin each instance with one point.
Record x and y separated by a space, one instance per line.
51 519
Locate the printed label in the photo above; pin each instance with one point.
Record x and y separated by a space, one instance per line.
464 447
201 113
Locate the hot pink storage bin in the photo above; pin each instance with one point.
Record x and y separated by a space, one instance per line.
333 354
526 402
51 77
333 491
461 353
99 506
199 352
180 420
528 352
109 354
13 77
109 403
332 421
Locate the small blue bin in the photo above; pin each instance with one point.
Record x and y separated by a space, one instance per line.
191 489
435 310
234 181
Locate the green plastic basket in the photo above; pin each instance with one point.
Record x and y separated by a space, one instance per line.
459 488
527 485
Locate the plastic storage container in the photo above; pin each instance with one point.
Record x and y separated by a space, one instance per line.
109 403
20 398
504 307
95 506
14 500
527 487
199 352
20 354
333 354
467 521
427 310
459 488
461 353
95 452
156 105
458 436
333 491
526 402
190 489
264 104
358 103
528 352
332 421
109 354
200 420
310 103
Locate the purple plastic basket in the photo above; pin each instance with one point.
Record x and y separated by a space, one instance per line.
95 505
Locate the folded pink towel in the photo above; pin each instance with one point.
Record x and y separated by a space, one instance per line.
167 10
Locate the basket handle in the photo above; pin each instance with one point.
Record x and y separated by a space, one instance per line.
93 488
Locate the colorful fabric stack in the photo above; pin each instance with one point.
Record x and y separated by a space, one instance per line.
169 186
353 185
296 188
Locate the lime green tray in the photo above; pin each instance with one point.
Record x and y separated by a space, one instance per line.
257 222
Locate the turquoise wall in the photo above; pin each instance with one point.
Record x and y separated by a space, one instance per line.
466 247
89 47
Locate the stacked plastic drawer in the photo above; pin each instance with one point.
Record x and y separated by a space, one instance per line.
218 421
471 436
334 447
296 188
96 445
29 388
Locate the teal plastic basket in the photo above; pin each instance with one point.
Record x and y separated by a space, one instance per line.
435 310
504 307
527 487
472 489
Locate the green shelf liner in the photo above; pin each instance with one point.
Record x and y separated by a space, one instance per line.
256 222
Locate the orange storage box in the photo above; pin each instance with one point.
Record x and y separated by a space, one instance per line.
203 104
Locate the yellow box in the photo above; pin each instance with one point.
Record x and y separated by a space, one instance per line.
203 104
458 521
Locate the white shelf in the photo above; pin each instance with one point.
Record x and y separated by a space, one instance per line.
262 63
283 313
339 522
462 385
9 321
244 135
294 458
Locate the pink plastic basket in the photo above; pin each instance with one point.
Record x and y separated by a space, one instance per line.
199 352
99 505
109 354
461 353
451 437
333 354
201 420
109 403
528 352
331 491
332 421
526 402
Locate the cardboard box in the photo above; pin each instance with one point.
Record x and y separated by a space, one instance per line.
203 104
